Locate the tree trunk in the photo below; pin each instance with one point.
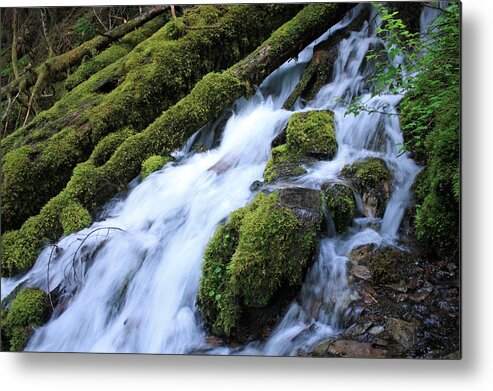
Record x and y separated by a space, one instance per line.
15 67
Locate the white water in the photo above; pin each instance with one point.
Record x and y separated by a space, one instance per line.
137 292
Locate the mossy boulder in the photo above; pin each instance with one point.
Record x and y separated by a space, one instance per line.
371 178
341 206
309 135
283 164
262 248
390 266
31 308
152 164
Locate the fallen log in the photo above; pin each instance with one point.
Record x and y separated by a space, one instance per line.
131 93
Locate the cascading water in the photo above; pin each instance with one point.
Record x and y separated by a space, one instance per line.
133 289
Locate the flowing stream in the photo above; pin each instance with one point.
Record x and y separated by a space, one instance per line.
131 285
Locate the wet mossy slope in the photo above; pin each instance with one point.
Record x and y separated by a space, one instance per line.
92 185
131 92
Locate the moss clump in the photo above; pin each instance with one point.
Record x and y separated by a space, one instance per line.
31 308
152 164
371 178
283 164
108 145
312 133
388 266
262 247
74 217
367 174
308 135
341 205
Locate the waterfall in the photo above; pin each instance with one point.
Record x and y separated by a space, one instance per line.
131 285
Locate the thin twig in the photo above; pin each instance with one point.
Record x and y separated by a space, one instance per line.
83 241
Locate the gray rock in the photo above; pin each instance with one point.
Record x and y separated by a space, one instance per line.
375 330
357 329
360 272
402 332
305 203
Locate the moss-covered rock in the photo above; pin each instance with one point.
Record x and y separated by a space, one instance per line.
341 205
283 164
263 247
388 265
311 133
308 135
31 308
152 164
371 178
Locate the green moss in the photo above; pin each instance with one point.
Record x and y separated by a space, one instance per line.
312 133
32 174
367 174
152 164
283 164
108 145
31 308
74 217
387 266
308 134
134 92
262 247
341 205
430 120
114 52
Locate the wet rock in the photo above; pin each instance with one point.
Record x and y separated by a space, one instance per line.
362 254
214 341
305 203
256 185
371 178
375 330
391 266
357 329
348 348
452 356
402 332
341 205
360 272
